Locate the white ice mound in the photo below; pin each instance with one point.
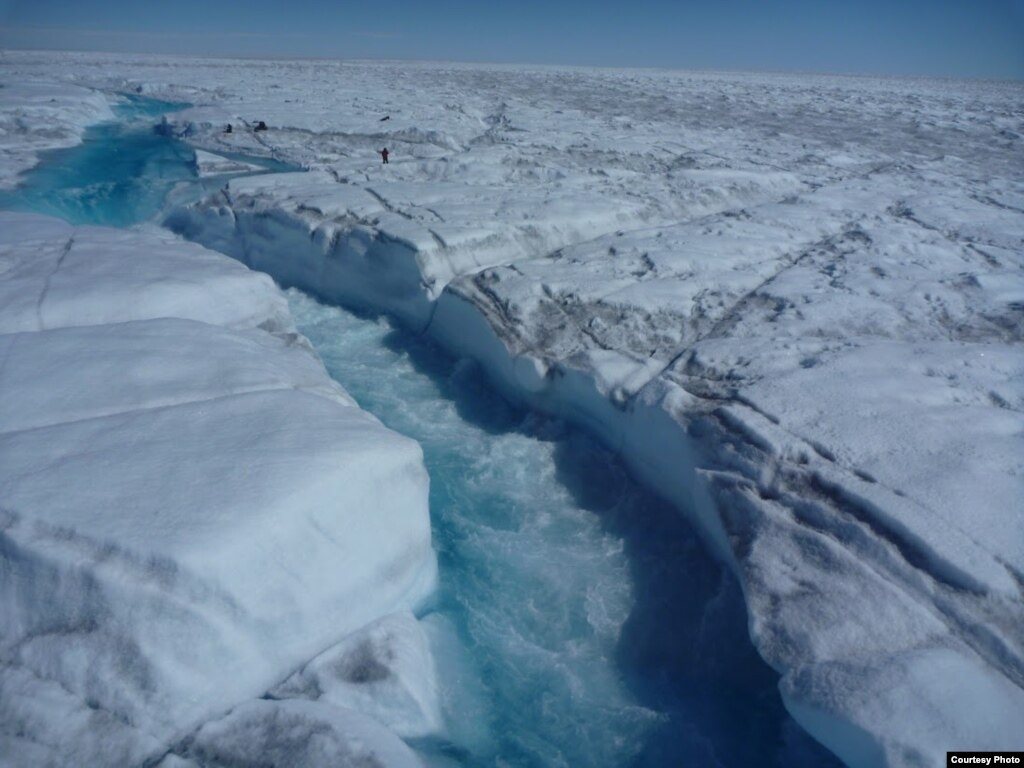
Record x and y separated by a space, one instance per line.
188 512
385 670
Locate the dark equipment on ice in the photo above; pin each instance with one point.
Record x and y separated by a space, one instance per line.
386 117
260 126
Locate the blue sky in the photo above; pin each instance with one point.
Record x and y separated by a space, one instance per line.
969 38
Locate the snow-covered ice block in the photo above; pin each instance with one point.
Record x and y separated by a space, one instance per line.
936 422
204 549
340 255
907 694
620 308
189 511
315 192
53 275
396 244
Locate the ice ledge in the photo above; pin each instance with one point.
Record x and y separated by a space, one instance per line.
187 498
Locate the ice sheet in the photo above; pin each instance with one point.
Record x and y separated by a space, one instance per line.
792 302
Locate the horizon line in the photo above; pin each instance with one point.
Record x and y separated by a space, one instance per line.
495 63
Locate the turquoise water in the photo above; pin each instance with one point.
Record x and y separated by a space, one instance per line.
602 632
121 174
591 628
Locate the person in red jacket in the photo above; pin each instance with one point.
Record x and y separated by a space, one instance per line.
384 154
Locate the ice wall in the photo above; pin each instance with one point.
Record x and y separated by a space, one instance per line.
847 445
191 508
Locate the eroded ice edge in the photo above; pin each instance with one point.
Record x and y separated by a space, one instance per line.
794 305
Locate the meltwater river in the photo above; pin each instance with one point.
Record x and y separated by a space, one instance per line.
590 628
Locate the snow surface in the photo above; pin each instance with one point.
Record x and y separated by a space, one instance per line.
56 275
299 733
191 508
794 304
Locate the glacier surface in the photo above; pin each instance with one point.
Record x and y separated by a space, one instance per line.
793 304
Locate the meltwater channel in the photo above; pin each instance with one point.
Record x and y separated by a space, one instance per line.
589 626
121 174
